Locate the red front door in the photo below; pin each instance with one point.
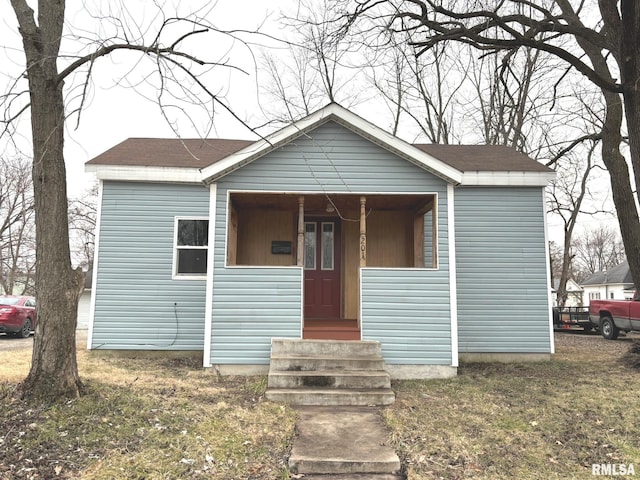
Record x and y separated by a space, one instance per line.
321 268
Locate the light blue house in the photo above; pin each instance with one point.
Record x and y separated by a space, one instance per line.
329 228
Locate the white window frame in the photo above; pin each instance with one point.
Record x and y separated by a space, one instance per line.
176 247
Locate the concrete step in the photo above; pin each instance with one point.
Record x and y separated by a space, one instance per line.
331 396
342 348
328 372
333 467
330 379
303 364
342 441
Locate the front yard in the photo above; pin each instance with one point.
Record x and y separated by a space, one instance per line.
527 421
167 418
144 419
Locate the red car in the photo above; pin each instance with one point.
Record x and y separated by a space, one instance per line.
17 315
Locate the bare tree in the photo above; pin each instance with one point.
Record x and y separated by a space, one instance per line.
600 50
17 229
512 99
82 225
556 260
389 78
568 197
293 86
313 69
597 250
177 72
431 83
328 52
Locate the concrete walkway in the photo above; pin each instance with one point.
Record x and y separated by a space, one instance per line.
342 443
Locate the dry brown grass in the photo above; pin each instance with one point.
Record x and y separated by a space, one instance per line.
141 418
166 419
527 421
14 365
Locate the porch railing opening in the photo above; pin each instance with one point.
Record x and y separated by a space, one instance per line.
401 230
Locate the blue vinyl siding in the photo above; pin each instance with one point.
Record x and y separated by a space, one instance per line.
334 159
409 312
501 270
331 158
138 304
252 305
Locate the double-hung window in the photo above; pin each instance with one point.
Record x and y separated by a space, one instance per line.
191 247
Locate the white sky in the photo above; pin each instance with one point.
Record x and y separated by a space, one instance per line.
114 113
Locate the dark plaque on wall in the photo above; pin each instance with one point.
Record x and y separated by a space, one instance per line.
280 247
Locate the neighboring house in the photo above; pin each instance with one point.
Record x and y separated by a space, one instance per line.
328 228
575 293
84 303
615 283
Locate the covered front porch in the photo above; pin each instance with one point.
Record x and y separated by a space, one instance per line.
332 237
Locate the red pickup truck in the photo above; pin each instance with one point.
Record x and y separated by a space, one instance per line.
613 316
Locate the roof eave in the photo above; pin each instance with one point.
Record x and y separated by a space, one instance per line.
509 179
135 173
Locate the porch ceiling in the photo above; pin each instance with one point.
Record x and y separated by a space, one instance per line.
319 202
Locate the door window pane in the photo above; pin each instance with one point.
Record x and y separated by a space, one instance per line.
310 246
327 246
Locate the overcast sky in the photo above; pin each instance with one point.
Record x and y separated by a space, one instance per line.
115 111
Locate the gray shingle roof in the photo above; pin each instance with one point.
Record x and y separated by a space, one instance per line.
483 158
169 152
200 153
618 274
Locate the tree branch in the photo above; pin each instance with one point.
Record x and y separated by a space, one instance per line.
592 136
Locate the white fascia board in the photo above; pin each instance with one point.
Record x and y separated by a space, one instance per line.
345 118
146 174
208 303
508 179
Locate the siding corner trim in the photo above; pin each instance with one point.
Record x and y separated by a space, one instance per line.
208 309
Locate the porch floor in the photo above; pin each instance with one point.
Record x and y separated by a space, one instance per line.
346 329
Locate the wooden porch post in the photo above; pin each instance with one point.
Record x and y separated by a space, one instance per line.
300 249
363 231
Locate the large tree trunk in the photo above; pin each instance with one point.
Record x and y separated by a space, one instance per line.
54 370
623 197
630 72
623 44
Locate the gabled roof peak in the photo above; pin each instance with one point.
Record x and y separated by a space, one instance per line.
349 120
